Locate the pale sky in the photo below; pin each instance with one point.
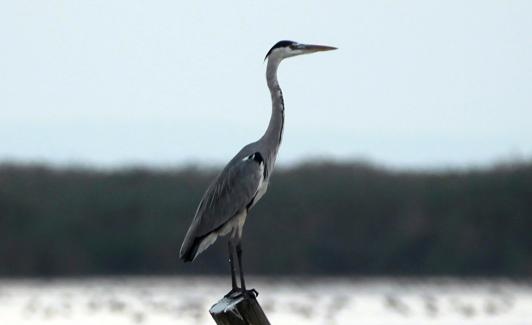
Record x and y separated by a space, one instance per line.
164 83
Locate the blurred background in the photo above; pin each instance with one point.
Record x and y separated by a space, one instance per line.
406 153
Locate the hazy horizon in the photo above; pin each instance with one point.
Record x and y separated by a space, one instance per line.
284 165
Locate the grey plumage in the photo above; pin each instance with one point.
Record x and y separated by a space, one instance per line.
240 185
229 195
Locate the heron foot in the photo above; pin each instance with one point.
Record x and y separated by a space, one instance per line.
234 292
239 292
253 292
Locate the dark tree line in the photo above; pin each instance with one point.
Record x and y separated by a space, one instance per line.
326 218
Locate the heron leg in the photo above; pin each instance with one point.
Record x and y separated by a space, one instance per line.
239 255
250 293
232 264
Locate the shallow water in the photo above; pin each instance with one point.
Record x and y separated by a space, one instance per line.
186 300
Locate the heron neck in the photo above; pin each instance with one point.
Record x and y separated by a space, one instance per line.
274 133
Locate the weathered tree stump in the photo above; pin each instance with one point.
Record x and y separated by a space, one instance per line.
238 309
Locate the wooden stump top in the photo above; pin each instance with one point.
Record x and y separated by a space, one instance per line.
238 309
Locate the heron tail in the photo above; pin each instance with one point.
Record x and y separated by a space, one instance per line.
189 249
192 247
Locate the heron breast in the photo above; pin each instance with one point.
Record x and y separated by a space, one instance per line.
263 186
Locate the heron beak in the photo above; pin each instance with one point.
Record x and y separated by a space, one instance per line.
311 48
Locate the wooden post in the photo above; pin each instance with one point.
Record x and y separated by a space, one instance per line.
238 309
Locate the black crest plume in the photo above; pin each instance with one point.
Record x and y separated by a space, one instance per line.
278 45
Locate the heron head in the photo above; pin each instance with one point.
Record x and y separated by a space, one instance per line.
286 49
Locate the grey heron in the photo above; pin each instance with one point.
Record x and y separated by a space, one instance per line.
241 184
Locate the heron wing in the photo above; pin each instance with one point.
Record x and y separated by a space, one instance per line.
232 191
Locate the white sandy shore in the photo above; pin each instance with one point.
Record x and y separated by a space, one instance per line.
186 300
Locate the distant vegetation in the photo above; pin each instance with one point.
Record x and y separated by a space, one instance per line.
326 218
